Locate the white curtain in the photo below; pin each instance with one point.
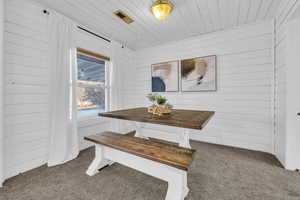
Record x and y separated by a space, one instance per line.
115 76
1 92
63 145
115 84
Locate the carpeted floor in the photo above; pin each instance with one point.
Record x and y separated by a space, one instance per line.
217 173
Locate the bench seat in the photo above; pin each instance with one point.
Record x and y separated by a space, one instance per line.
168 154
164 161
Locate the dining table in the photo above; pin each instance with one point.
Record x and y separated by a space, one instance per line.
186 120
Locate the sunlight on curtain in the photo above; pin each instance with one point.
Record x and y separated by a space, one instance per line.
115 74
63 145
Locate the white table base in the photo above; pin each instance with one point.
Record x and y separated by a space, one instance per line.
183 141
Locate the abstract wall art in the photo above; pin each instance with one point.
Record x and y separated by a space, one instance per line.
199 74
165 77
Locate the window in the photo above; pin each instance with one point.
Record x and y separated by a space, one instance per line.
92 92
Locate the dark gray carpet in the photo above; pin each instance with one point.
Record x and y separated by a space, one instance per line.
217 173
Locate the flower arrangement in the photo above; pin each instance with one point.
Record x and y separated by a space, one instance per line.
160 105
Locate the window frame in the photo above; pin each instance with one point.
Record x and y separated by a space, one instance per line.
107 85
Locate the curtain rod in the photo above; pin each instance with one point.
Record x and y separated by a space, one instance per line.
46 12
92 33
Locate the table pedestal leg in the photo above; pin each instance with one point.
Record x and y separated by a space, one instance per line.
185 139
138 132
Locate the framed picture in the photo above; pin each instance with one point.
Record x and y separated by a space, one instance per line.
199 74
165 77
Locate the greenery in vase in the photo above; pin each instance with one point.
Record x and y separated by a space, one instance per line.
161 100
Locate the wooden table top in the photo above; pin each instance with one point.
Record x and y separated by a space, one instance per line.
193 119
168 154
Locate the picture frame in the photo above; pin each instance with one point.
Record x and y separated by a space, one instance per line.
199 74
165 77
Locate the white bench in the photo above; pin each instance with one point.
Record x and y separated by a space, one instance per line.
164 161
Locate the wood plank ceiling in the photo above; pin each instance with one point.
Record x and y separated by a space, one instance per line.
189 18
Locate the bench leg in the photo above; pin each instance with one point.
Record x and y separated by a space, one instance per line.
177 187
185 139
98 162
185 187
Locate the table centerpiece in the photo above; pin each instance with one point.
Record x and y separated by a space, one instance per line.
160 105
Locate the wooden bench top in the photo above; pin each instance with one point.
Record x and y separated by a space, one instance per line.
193 119
168 154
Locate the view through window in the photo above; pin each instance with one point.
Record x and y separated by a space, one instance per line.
91 85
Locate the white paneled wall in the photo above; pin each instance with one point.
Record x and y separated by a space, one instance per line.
280 77
26 87
244 100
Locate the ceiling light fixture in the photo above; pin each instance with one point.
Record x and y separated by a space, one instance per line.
161 9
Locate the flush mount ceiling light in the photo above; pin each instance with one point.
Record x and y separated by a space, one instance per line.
161 9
